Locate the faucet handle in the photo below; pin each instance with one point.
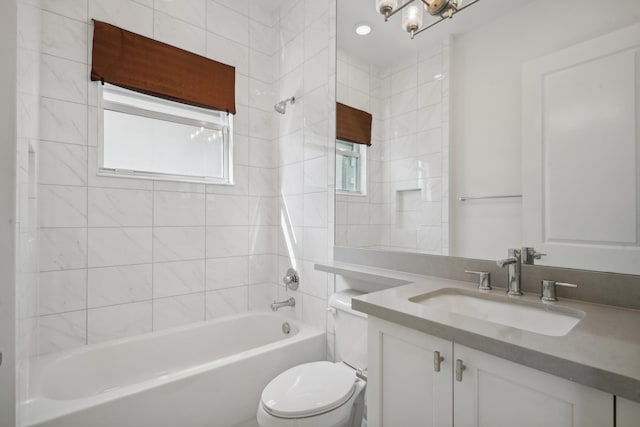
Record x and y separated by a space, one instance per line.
548 292
484 279
529 255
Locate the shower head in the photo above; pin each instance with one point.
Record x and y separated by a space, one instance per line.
281 107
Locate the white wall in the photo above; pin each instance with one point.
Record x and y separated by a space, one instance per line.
8 29
486 104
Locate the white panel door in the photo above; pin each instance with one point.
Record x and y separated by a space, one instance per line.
494 392
581 154
627 413
404 388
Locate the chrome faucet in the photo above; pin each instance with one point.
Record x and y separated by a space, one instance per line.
514 262
291 302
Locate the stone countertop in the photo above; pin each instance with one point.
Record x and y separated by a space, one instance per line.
601 351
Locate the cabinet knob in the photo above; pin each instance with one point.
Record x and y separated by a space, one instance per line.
460 367
437 359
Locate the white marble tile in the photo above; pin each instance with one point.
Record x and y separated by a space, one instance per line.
261 37
175 32
318 140
291 148
227 272
63 79
227 241
119 285
63 37
315 209
314 311
62 331
291 22
178 243
119 246
191 11
314 9
242 92
76 9
119 321
227 210
261 296
430 238
290 182
241 6
261 12
262 268
62 291
228 52
261 95
178 278
179 187
241 120
263 181
175 311
63 248
292 55
315 244
119 208
125 14
430 142
263 240
430 93
261 123
315 174
62 121
262 153
316 70
263 211
178 209
316 36
240 183
62 206
226 302
228 23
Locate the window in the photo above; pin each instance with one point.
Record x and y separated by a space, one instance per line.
148 137
351 164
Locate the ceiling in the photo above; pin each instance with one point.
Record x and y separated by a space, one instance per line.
388 41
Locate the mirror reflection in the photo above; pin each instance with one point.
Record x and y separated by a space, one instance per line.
506 126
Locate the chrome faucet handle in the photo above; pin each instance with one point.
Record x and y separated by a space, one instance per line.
291 279
529 255
548 292
484 279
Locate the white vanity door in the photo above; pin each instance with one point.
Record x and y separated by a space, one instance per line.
494 392
404 389
581 154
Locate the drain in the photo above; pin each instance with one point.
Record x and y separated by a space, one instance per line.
286 328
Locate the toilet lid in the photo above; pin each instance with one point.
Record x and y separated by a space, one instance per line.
309 389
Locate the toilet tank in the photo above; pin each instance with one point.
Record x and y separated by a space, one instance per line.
350 329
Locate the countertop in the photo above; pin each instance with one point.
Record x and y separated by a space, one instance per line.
601 351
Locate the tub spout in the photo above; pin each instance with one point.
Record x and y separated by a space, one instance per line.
291 302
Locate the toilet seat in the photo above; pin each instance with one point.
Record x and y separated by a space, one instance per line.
309 389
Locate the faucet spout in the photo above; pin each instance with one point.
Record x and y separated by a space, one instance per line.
291 302
513 262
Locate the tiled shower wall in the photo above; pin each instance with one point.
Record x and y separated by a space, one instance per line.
119 257
407 205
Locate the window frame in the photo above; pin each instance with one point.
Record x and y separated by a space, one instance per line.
361 155
226 179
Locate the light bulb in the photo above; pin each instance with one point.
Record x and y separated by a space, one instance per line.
385 7
412 19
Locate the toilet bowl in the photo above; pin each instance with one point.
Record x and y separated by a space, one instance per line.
323 394
318 394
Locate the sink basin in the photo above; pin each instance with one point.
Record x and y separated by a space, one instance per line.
529 316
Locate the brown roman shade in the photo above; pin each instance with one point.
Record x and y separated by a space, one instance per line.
353 125
139 63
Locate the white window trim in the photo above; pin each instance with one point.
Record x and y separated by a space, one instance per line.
227 178
362 155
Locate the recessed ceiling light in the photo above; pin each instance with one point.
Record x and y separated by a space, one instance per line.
363 29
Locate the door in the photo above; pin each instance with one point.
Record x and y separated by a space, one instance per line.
581 154
409 378
494 392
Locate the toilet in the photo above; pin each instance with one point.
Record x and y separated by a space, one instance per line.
323 394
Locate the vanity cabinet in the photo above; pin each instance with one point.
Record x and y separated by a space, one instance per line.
472 388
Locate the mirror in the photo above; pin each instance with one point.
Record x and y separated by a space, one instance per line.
528 110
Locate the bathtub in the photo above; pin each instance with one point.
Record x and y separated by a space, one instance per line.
209 374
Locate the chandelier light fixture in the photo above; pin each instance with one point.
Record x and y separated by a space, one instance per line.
412 12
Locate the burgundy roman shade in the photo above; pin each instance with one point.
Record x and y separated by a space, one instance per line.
353 125
139 63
